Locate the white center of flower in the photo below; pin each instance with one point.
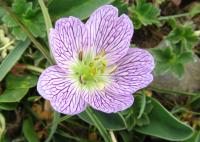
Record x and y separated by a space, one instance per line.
91 71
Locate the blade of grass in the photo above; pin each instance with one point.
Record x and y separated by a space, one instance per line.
56 118
170 91
99 125
13 57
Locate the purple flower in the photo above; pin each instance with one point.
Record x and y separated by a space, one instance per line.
95 65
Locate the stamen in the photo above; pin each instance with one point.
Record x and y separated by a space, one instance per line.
102 53
81 80
80 55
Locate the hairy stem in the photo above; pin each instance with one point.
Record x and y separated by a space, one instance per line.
174 16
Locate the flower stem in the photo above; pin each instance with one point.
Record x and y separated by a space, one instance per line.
170 91
113 136
99 125
174 16
46 16
28 33
34 68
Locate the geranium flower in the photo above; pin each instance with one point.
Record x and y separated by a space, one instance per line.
95 66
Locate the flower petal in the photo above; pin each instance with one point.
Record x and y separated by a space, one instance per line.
67 39
110 33
54 85
134 70
109 100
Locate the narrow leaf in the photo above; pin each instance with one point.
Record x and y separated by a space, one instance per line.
12 58
29 132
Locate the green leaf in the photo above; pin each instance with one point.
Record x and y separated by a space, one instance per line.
146 13
97 122
143 105
161 68
9 21
19 34
184 36
185 57
195 9
164 125
195 137
13 95
2 12
25 81
8 106
36 26
178 70
162 55
80 9
12 58
29 132
19 6
56 118
13 92
30 17
117 122
121 6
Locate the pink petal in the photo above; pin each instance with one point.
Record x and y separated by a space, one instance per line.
109 100
63 94
134 70
110 33
67 39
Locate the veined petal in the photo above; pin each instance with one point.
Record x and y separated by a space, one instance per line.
54 85
67 39
109 100
134 70
110 33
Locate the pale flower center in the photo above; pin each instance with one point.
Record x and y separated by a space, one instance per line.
91 71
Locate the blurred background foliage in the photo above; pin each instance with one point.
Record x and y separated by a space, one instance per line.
167 110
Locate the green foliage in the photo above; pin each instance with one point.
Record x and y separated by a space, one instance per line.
28 130
29 15
144 13
195 10
14 93
2 127
147 116
165 125
178 51
12 58
117 122
79 8
168 61
137 115
183 36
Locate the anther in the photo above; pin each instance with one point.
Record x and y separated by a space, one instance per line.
80 55
81 80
